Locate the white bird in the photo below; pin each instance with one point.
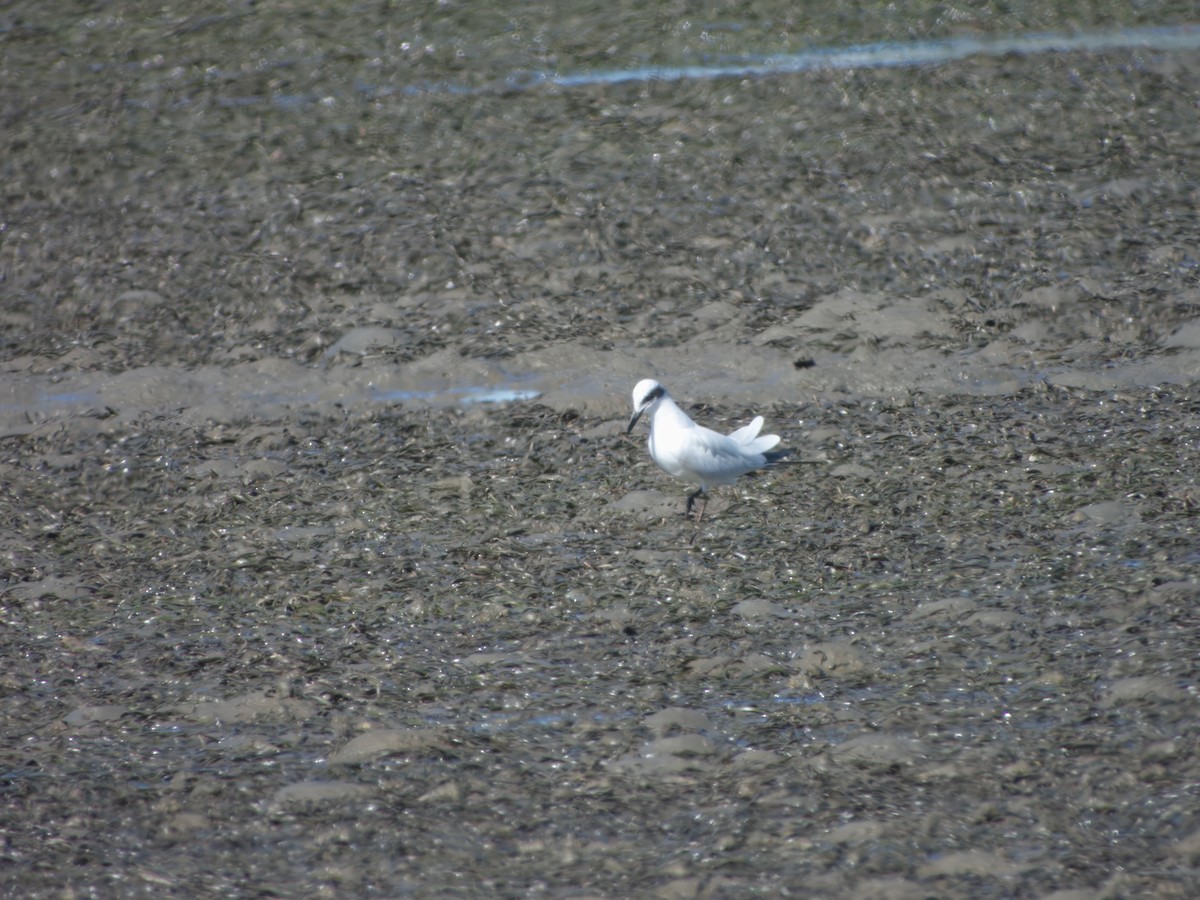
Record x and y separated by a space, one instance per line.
686 450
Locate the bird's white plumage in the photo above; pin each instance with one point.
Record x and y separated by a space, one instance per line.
683 449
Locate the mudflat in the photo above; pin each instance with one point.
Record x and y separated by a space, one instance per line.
329 571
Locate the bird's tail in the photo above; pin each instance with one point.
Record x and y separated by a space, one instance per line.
763 444
747 433
748 437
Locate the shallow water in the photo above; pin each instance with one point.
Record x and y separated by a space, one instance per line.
283 614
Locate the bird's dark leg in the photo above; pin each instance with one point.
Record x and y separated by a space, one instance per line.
699 492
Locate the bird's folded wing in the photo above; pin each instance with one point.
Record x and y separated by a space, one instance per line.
719 457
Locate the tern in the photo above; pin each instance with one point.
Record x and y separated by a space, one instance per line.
683 449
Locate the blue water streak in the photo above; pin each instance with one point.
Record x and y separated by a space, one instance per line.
884 55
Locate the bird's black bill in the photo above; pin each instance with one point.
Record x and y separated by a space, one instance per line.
633 421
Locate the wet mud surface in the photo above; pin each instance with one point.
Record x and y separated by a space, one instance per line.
284 613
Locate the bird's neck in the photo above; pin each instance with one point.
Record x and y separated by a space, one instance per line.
670 415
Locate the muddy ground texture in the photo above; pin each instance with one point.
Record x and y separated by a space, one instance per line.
262 641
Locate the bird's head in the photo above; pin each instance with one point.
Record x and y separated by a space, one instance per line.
646 393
